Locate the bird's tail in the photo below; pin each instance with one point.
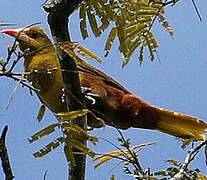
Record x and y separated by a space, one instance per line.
180 125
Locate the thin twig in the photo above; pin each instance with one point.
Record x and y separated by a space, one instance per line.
12 76
117 147
136 165
190 156
7 24
125 159
113 156
206 154
197 11
116 165
45 175
14 63
15 90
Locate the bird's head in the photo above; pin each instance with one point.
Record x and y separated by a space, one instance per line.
33 38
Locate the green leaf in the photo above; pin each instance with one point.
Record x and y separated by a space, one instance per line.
110 39
2 61
166 25
80 146
108 156
92 21
130 21
160 173
105 24
173 162
71 115
82 15
74 49
41 113
201 176
112 177
69 155
103 158
51 146
77 132
44 132
85 52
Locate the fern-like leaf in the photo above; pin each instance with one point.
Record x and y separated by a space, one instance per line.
80 146
69 155
51 146
71 115
77 132
75 50
110 39
41 112
92 21
82 16
131 23
44 132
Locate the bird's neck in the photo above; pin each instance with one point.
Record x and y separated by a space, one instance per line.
42 52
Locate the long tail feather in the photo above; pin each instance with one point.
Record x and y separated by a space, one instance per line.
180 125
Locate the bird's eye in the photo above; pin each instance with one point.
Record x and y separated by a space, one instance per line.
33 34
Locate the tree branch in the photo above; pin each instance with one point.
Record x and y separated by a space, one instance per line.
190 156
59 12
4 156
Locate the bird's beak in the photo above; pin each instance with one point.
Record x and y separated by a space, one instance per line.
19 34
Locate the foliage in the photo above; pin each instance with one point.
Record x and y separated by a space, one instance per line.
131 21
175 167
72 135
75 50
41 112
129 158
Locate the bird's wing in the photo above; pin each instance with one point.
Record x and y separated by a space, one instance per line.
84 67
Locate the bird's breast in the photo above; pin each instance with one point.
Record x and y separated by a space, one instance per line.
45 75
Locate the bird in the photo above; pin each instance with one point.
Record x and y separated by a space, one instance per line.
106 99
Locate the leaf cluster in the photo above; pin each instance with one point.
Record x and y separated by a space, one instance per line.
73 136
175 167
131 22
127 156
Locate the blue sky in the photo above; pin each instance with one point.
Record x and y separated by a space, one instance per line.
177 82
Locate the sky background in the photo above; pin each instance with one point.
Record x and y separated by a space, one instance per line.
176 82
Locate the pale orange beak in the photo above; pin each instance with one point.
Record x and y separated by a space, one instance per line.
19 33
12 32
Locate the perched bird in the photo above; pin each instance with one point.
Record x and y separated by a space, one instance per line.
105 98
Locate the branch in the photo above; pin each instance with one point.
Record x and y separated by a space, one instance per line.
59 12
15 76
135 161
190 156
7 24
67 5
4 156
